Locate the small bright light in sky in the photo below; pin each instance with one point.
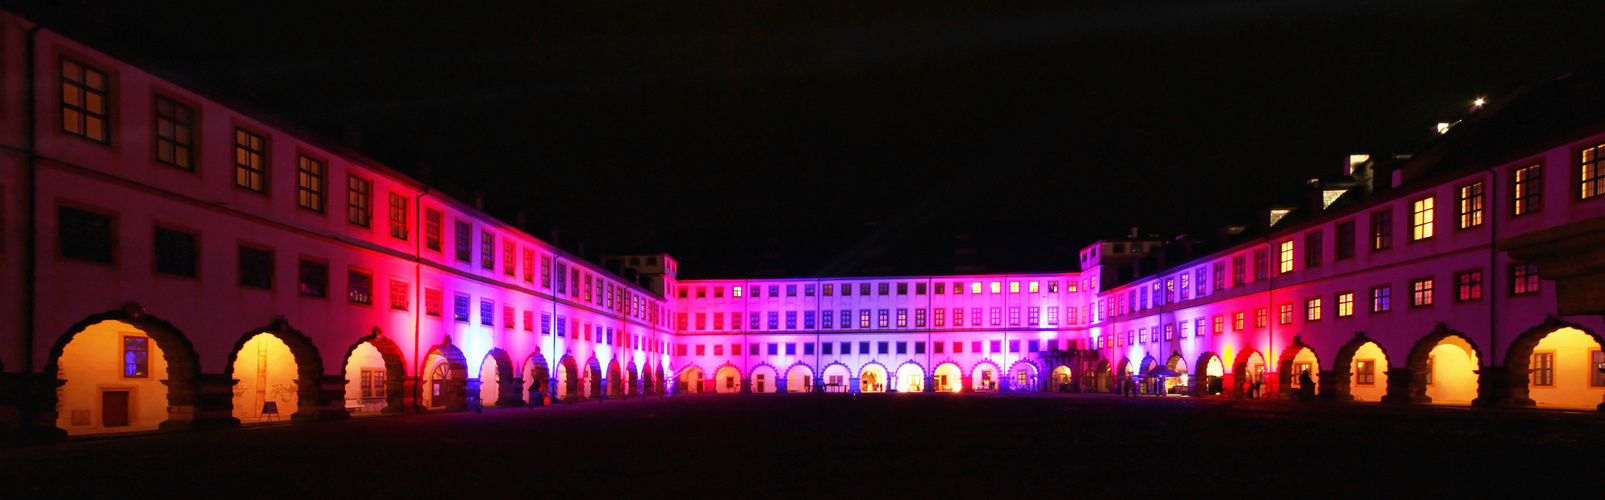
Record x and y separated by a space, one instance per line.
1477 102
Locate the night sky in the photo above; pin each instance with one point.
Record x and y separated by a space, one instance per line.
760 138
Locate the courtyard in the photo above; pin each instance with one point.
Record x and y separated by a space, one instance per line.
903 445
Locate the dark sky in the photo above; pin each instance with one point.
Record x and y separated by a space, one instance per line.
826 137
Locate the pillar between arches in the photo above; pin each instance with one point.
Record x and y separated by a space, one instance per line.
1399 382
746 385
1328 382
780 389
472 386
1494 389
26 415
852 385
966 385
331 400
211 405
508 394
602 394
409 401
930 384
707 385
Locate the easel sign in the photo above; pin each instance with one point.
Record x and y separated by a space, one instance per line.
269 408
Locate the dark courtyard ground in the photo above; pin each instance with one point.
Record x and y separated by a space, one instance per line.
908 445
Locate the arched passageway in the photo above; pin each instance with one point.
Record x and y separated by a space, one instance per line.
800 378
374 370
690 381
1210 378
277 371
948 378
632 381
1249 374
837 378
445 379
1298 363
1362 371
120 372
1556 365
910 378
984 377
1177 381
1063 379
727 380
568 380
593 379
872 378
536 375
1102 379
1023 377
764 379
497 384
1446 373
615 379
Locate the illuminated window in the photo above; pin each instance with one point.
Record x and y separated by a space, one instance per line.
1237 321
1381 229
1470 207
175 133
529 320
883 318
359 287
1284 314
958 316
1053 315
400 295
1382 299
1365 372
398 216
1596 378
1527 190
1284 257
510 258
359 199
487 257
1032 287
1421 293
136 357
1183 288
938 318
1069 315
432 301
1592 178
1345 304
250 161
863 318
432 229
373 383
1468 286
1523 279
1262 317
1072 286
735 291
1543 369
309 183
83 101
1219 325
996 287
1014 287
313 278
1312 309
1421 218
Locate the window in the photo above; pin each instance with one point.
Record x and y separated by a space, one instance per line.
464 242
1365 372
1312 249
827 319
1543 369
256 267
85 235
1014 345
847 348
829 290
791 320
791 290
1345 304
1523 279
400 295
432 229
359 196
136 357
997 316
846 318
313 278
1595 377
1053 316
1470 206
175 252
250 161
1312 309
884 318
808 320
398 216
995 346
83 102
808 290
1014 287
507 316
1014 316
309 183
1592 179
1237 321
1421 293
863 318
546 272
1284 259
880 347
487 312
1344 248
359 287
1033 315
1262 317
1382 299
1284 314
175 133
1239 270
509 257
902 318
1381 229
432 299
997 287
1527 190
975 287
487 256
1219 324
459 307
902 288
1468 286
1261 264
373 383
1421 219
774 320
902 347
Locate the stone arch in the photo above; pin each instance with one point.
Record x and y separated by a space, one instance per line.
657 377
1419 369
1340 383
1031 382
615 378
979 380
727 382
182 370
846 375
593 378
445 376
308 367
901 385
689 386
1287 367
1206 383
793 384
568 378
1242 375
770 384
538 375
395 369
1518 361
948 376
867 385
1101 376
632 379
509 387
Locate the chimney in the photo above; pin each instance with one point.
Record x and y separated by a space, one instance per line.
581 250
353 136
554 236
424 169
479 200
522 220
1133 232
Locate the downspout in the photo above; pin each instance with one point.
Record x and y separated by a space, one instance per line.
31 252
1493 265
418 280
819 297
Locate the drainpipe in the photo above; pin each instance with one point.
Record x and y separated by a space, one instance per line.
31 250
819 297
1493 265
418 281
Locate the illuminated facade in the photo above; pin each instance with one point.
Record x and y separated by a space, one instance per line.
186 263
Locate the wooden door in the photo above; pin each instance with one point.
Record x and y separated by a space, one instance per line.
114 409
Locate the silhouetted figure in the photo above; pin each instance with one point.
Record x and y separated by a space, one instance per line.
1306 386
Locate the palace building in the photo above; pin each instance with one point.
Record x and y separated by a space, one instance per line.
177 260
